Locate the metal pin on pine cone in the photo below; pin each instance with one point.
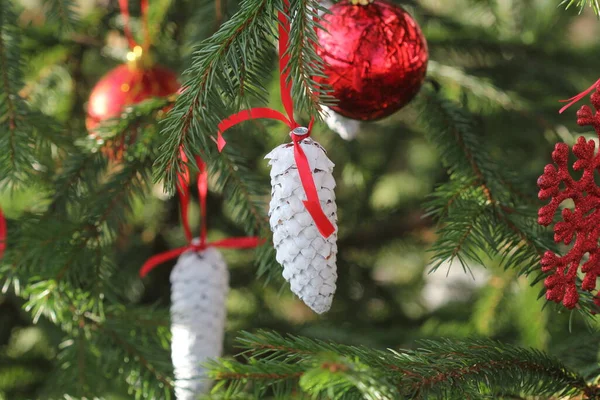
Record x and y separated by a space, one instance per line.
582 223
308 258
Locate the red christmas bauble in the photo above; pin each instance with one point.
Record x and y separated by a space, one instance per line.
126 85
375 58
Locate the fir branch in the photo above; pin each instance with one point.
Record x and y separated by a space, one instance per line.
468 161
237 183
503 226
593 4
95 342
473 84
9 67
80 171
87 208
25 134
305 64
138 356
438 369
461 236
104 217
84 219
62 13
464 154
136 338
223 74
245 190
468 202
16 136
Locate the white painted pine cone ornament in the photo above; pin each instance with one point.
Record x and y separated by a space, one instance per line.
345 127
199 287
308 259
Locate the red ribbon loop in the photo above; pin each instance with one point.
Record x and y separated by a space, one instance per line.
245 115
124 6
578 97
193 244
2 233
312 203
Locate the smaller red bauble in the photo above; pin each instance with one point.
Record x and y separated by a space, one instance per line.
126 85
375 58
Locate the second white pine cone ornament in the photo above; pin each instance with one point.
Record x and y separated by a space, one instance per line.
308 259
199 287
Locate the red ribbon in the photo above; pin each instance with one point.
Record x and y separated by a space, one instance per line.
312 203
124 6
2 233
184 201
578 97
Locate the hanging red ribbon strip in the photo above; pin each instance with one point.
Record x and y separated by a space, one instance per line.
2 234
312 203
184 202
578 97
124 6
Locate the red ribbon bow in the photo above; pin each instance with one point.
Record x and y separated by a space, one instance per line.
184 201
578 97
312 203
2 234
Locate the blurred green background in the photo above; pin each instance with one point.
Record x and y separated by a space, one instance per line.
507 60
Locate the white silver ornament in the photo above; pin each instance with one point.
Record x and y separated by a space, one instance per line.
308 259
199 287
347 128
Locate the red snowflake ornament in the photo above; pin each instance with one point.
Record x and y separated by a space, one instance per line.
582 223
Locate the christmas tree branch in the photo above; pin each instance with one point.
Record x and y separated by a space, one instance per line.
89 202
222 74
7 83
438 369
135 338
473 84
62 13
464 153
468 159
95 341
16 136
79 172
305 64
468 201
486 218
581 4
141 350
138 356
244 190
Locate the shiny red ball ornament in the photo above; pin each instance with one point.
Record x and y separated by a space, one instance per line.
375 58
123 86
126 85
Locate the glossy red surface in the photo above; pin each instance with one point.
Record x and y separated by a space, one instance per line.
124 86
376 58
